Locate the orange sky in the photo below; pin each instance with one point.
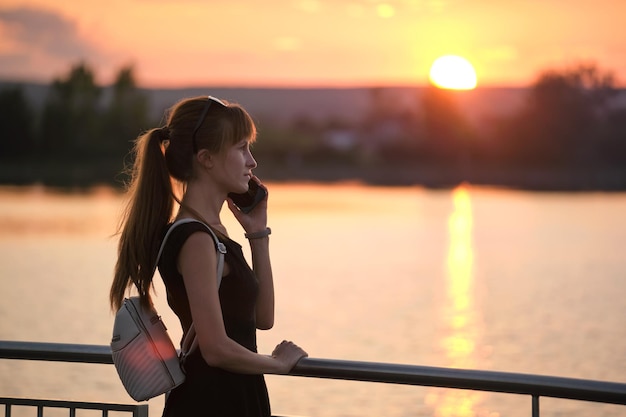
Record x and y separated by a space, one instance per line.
308 42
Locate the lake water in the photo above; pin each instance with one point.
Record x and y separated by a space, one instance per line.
470 278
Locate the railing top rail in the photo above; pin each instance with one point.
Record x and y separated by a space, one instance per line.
504 382
55 352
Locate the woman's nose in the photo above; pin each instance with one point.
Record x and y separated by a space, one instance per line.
251 161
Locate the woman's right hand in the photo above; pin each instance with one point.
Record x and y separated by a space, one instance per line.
288 354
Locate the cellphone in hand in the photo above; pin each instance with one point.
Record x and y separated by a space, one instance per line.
248 200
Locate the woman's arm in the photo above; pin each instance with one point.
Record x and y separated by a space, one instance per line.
197 263
263 271
255 222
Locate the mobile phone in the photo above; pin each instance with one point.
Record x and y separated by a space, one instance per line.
248 200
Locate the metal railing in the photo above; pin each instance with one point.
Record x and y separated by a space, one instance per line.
535 386
140 410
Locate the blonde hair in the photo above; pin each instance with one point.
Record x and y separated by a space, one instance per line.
164 155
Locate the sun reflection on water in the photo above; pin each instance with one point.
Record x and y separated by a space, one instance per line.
461 320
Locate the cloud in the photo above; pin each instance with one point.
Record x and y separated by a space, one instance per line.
33 37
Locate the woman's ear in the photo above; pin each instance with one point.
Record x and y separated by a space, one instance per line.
205 158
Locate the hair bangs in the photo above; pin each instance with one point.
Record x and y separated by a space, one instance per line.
243 126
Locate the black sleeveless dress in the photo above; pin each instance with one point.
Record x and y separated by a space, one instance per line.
207 390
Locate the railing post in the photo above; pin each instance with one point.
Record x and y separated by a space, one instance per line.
141 411
535 405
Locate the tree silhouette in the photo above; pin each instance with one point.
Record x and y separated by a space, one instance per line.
70 122
563 115
16 124
447 132
127 114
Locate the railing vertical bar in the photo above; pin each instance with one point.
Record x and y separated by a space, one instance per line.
141 411
72 412
535 406
7 410
40 411
105 413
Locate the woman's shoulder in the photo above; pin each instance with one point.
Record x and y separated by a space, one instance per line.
178 232
182 230
186 226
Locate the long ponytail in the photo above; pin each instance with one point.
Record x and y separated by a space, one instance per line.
148 212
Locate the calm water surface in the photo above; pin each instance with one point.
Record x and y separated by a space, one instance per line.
468 278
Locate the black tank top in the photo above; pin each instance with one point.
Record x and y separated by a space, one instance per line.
210 391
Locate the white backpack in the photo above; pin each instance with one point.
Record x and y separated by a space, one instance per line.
143 353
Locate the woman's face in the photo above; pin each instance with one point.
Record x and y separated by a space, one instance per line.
236 164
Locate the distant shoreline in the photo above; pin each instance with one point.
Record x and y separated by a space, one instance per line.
64 175
280 108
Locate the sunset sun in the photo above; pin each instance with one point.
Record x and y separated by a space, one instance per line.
453 72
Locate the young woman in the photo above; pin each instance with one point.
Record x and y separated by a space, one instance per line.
205 146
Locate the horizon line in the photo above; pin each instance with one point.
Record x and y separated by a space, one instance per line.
275 86
293 86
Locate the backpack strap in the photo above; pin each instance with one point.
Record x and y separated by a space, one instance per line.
190 342
221 248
